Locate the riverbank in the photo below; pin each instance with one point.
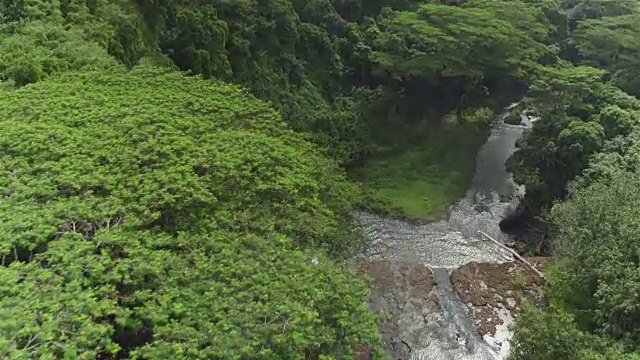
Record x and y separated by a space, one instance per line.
470 310
494 295
418 183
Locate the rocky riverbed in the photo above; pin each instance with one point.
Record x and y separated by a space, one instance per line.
413 320
404 294
448 293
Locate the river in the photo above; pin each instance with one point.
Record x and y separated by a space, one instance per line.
447 244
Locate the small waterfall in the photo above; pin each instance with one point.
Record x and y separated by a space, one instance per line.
450 243
463 340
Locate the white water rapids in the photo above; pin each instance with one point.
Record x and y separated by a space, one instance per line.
450 243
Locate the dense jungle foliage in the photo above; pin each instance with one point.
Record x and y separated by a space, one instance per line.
177 175
358 78
150 215
580 164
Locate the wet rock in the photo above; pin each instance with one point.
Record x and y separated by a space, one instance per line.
491 289
405 292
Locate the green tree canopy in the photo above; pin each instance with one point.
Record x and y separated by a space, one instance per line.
595 9
152 215
479 39
40 49
593 309
612 43
578 113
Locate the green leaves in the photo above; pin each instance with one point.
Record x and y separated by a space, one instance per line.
475 40
585 149
41 49
617 121
612 43
594 289
152 215
153 164
245 297
578 113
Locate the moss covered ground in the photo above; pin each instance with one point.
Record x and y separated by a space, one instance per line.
419 182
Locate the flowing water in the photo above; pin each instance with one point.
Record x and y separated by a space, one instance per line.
450 243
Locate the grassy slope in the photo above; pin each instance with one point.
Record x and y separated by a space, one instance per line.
419 182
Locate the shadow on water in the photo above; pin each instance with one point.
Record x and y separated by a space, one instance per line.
450 243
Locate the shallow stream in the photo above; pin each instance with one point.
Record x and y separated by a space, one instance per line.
447 244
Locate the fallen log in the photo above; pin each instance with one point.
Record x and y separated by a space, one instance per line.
516 255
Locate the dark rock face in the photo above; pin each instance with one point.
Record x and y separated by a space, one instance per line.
514 222
530 235
405 293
